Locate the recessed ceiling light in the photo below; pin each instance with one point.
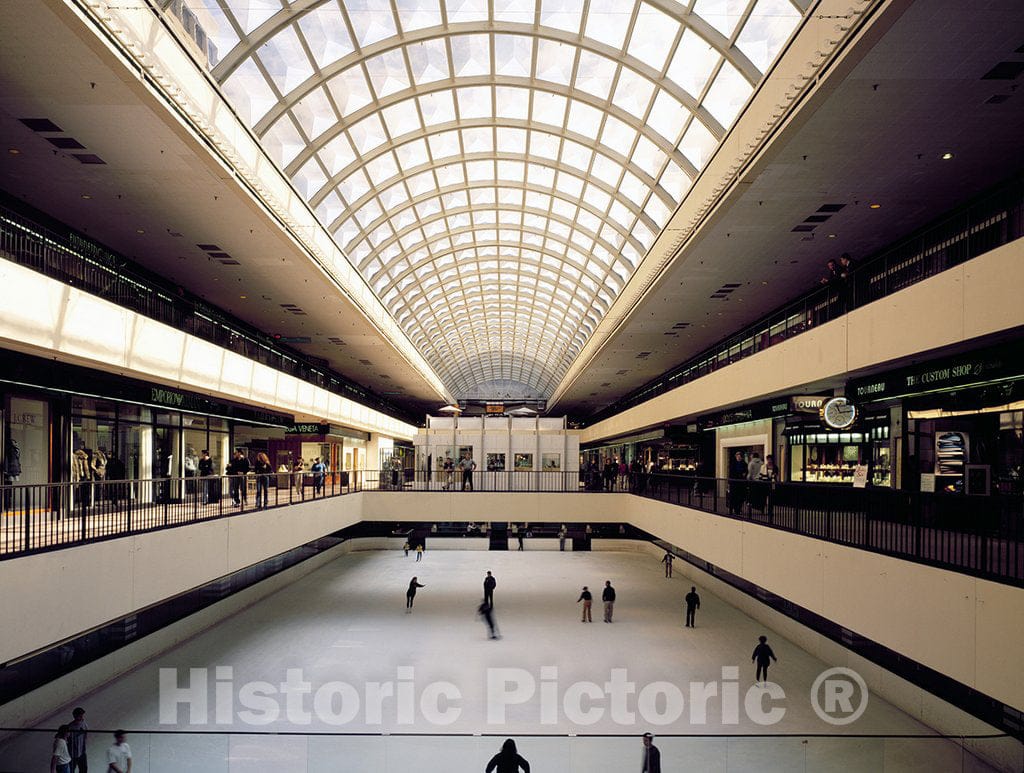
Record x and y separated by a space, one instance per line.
86 196
243 297
13 151
946 156
831 236
139 231
875 206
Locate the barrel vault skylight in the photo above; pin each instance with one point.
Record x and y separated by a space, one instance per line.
496 169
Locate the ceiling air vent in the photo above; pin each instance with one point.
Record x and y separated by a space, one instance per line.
365 362
291 308
724 291
621 372
801 228
41 125
1004 71
88 158
681 325
606 384
817 218
997 99
65 143
643 355
336 341
208 247
832 208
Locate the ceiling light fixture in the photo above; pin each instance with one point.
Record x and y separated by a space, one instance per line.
875 206
13 151
86 196
139 231
831 236
946 156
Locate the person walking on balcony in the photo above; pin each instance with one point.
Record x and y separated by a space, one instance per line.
467 465
737 490
692 605
319 470
205 474
263 470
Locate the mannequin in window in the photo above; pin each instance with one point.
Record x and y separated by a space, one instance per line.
11 469
98 464
191 468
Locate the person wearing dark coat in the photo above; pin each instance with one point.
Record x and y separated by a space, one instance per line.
486 611
608 597
489 585
652 757
507 760
587 598
737 487
762 655
692 605
410 595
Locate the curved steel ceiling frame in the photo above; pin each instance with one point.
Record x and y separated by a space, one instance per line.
496 169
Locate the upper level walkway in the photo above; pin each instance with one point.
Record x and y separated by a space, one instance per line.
980 536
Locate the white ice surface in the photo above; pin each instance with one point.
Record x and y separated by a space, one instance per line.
347 622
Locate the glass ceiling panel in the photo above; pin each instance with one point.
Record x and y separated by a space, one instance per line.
507 162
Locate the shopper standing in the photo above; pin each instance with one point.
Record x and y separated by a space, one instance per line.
588 599
60 757
507 760
489 585
651 762
263 470
410 595
467 465
737 489
78 735
667 561
608 597
692 605
762 655
119 755
205 473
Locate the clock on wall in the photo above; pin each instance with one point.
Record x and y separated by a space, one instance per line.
838 413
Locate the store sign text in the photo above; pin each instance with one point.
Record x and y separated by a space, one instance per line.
944 374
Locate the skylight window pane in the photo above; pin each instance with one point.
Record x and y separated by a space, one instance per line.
381 169
393 197
314 113
544 145
554 61
337 154
584 119
387 72
460 11
478 140
474 102
421 183
418 14
218 28
675 182
354 187
632 188
369 21
367 134
562 14
723 15
668 116
437 108
543 176
653 35
511 141
252 13
657 211
350 90
283 141
595 73
698 144
249 92
401 118
588 221
727 95
608 21
309 179
478 171
429 208
596 198
512 171
535 200
564 208
618 136
412 154
444 145
450 174
693 63
767 29
648 156
471 55
576 155
428 61
549 108
326 34
633 92
606 170
512 103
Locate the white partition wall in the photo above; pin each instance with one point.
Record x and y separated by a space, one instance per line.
511 453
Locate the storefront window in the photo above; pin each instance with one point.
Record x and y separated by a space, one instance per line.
26 441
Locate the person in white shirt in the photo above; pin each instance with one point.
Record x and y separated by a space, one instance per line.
60 758
119 756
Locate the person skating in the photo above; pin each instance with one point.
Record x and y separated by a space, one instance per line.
692 605
419 552
489 585
608 597
667 561
410 595
762 655
588 599
405 547
486 611
507 760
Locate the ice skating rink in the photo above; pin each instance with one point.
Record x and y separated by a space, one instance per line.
336 652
